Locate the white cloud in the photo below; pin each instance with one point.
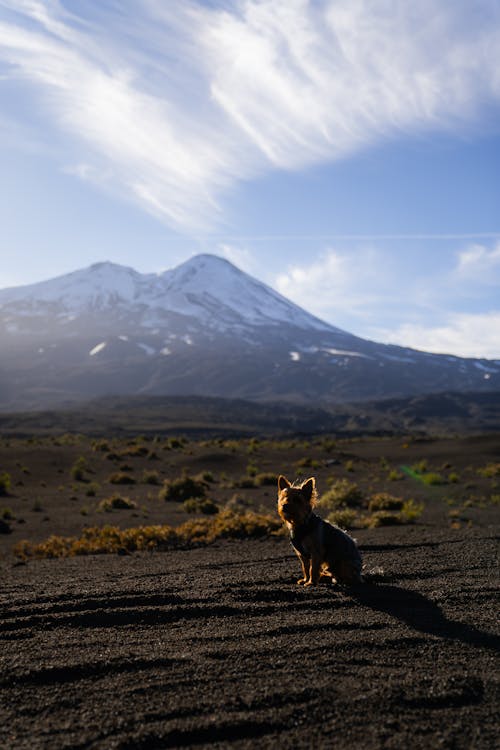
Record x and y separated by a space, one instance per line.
478 263
362 292
337 283
320 282
172 103
465 335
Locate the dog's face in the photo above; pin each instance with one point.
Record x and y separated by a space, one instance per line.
295 503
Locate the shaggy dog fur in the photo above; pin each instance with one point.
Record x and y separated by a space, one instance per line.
324 550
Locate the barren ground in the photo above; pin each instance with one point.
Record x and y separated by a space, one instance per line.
218 646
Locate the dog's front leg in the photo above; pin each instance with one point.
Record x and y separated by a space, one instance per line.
314 570
305 568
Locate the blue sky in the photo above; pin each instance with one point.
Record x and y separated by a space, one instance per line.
346 152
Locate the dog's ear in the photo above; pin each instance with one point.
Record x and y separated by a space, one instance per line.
283 483
308 488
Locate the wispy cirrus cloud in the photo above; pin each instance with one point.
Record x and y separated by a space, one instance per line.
171 104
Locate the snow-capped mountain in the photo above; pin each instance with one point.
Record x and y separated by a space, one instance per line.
206 287
203 328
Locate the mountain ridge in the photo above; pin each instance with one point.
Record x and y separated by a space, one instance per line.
196 278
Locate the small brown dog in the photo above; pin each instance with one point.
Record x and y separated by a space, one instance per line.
324 550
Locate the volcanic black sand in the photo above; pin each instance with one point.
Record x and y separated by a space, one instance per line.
218 646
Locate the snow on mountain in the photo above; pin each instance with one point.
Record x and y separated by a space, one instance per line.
212 289
97 287
206 288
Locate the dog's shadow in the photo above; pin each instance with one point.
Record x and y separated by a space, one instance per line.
421 614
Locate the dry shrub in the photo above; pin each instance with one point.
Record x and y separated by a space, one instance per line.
135 451
111 539
120 477
207 507
182 488
100 445
346 518
266 478
228 525
384 501
117 502
150 477
341 494
238 503
408 512
79 468
382 518
245 483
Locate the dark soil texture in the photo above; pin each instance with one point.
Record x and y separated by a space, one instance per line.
218 646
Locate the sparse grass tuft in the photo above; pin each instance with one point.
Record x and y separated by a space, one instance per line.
395 476
490 470
206 476
78 469
432 478
5 483
307 462
175 443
